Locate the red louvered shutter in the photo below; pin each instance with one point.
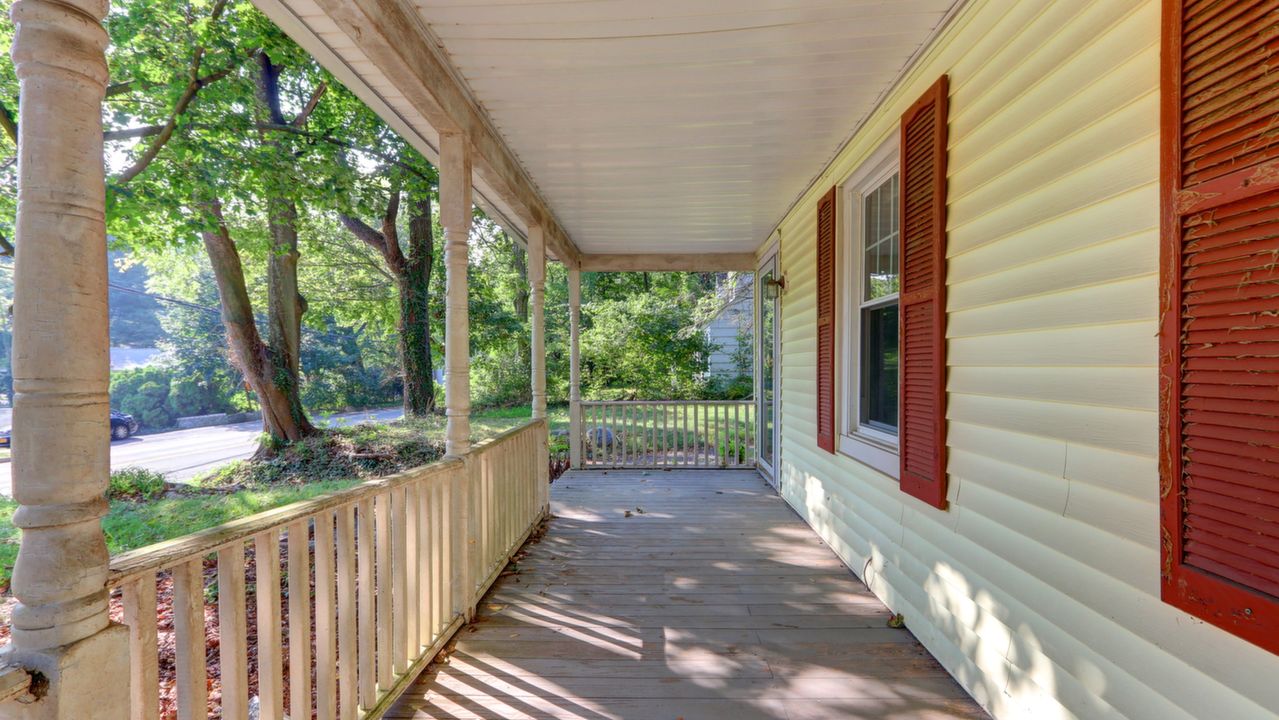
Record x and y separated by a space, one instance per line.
826 322
1219 308
923 296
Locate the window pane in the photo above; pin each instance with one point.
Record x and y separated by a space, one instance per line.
879 368
879 238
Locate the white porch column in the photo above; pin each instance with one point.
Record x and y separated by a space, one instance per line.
537 354
537 325
61 369
574 367
455 217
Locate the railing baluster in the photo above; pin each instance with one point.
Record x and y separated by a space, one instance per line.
399 581
738 448
188 631
661 462
446 511
266 562
233 633
348 614
439 580
385 619
697 436
299 619
650 437
326 657
628 448
138 598
425 546
364 586
610 422
711 422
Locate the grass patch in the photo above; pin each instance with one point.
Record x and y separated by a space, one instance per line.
9 536
136 484
131 525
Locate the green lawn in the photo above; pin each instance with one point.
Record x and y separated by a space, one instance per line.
131 525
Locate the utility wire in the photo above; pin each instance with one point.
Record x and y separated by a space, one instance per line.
211 310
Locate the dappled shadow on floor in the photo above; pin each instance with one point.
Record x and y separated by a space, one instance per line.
684 594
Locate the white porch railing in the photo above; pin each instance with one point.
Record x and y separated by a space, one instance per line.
668 433
356 590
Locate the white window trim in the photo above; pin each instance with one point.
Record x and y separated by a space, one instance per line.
866 445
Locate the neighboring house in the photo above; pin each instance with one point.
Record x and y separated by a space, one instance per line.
731 325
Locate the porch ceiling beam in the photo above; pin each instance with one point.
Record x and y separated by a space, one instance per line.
393 37
690 262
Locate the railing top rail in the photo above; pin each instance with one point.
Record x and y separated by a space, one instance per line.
668 402
167 554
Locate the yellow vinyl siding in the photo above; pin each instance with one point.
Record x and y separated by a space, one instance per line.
1038 588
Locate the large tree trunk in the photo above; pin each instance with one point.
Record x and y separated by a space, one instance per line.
285 302
523 348
412 275
281 417
415 315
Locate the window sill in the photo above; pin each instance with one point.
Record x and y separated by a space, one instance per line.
872 452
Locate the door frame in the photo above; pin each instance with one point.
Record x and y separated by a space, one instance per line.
768 261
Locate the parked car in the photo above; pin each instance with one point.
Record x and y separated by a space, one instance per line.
122 425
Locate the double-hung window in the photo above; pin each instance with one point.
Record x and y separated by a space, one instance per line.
881 290
870 373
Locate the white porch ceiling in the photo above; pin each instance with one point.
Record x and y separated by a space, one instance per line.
677 126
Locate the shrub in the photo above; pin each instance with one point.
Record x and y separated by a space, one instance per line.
144 394
732 448
191 395
135 484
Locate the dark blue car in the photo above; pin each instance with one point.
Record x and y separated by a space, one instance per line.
122 426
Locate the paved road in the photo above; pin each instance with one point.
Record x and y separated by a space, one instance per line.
183 454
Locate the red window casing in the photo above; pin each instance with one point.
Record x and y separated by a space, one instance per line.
826 322
922 327
1219 315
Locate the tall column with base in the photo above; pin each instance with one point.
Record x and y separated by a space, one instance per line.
537 332
61 457
455 217
574 367
537 324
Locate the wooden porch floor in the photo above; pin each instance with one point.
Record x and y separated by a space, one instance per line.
682 594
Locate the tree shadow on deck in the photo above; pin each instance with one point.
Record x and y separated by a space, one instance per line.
682 595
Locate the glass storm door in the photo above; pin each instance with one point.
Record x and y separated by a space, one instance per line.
766 361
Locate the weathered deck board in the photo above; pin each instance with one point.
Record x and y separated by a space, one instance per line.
711 600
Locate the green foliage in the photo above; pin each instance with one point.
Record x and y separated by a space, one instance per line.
740 387
356 452
157 395
144 394
10 536
335 376
135 484
131 525
733 448
642 347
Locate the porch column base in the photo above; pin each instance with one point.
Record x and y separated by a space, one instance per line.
84 680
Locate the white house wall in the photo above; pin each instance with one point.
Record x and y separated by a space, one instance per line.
1038 589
